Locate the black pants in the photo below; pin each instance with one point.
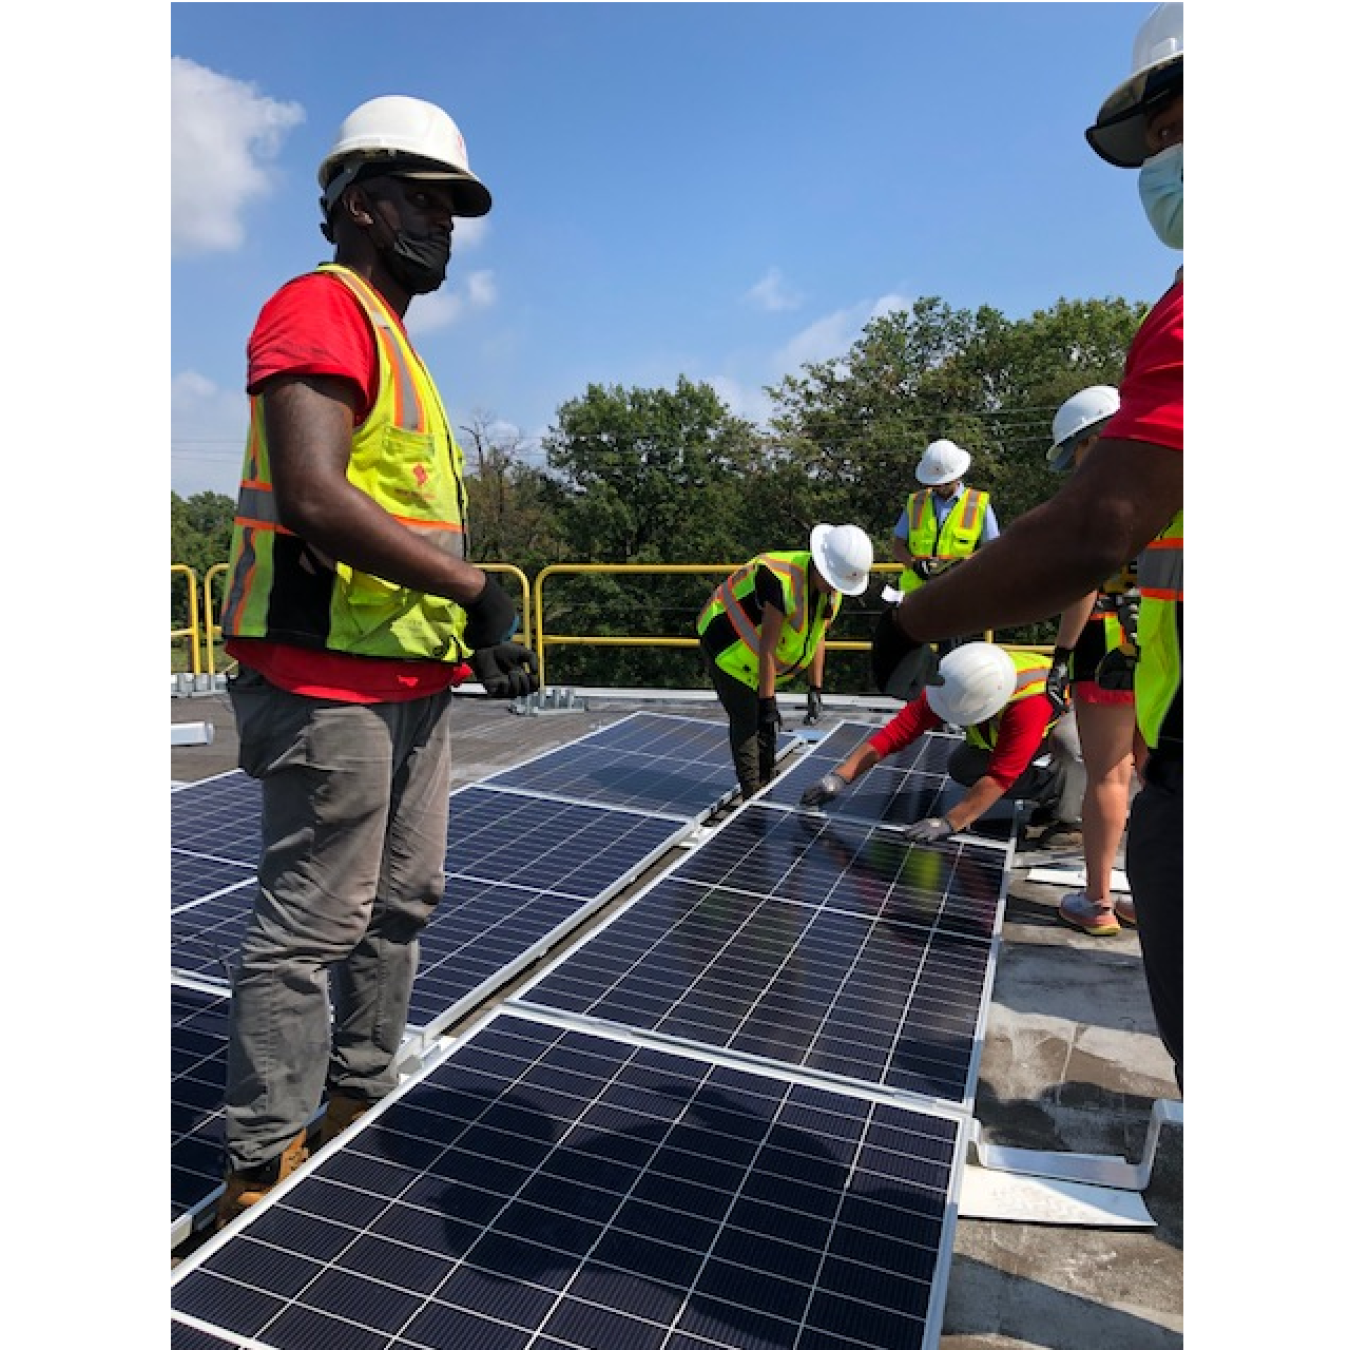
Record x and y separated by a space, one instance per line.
753 751
1153 863
968 764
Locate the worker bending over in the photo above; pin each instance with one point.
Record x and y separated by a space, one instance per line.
766 623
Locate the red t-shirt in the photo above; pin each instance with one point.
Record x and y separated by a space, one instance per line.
315 326
1151 385
1020 733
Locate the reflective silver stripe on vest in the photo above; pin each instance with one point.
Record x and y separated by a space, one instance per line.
1160 569
258 504
407 401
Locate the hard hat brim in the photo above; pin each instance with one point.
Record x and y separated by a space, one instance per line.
471 197
1118 133
929 479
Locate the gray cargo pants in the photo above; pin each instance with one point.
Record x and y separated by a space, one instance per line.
355 812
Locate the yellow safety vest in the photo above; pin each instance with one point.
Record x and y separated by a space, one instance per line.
1032 668
960 532
405 457
800 636
1157 679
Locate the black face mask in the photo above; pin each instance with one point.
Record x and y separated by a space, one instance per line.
418 261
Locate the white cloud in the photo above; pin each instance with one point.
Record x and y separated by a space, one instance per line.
829 338
208 425
753 404
444 308
770 293
224 135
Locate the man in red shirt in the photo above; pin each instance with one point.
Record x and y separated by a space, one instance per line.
1125 499
1001 701
352 609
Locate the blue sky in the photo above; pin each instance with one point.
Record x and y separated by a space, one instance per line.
723 191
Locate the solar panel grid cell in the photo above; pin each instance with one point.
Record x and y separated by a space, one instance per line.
193 877
196 1095
714 1209
565 847
218 817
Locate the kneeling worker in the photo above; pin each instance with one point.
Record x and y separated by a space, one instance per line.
999 698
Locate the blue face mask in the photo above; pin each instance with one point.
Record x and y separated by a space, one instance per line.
1161 193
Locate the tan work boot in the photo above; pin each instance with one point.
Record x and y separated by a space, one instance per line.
245 1188
342 1110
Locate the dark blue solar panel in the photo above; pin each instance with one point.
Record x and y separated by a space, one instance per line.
878 997
218 817
198 1042
650 762
205 938
594 773
666 736
904 787
569 848
193 877
955 886
551 1188
479 935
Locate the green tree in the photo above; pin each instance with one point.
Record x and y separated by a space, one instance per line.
651 476
514 507
199 537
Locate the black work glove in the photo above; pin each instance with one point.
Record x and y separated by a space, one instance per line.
925 568
901 665
826 790
506 669
1057 681
1116 669
770 719
492 617
814 705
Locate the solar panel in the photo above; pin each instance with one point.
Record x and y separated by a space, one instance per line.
666 736
837 948
193 877
218 817
198 1042
649 762
815 859
480 935
550 1188
205 937
904 787
568 848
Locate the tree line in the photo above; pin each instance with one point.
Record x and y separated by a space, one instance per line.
633 475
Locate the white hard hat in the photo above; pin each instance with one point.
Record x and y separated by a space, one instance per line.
978 679
843 556
1085 412
415 139
1118 133
942 462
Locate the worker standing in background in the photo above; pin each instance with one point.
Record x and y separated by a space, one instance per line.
1125 500
351 606
999 698
1102 705
766 623
944 522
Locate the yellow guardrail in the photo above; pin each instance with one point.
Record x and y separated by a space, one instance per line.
193 630
204 633
543 640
